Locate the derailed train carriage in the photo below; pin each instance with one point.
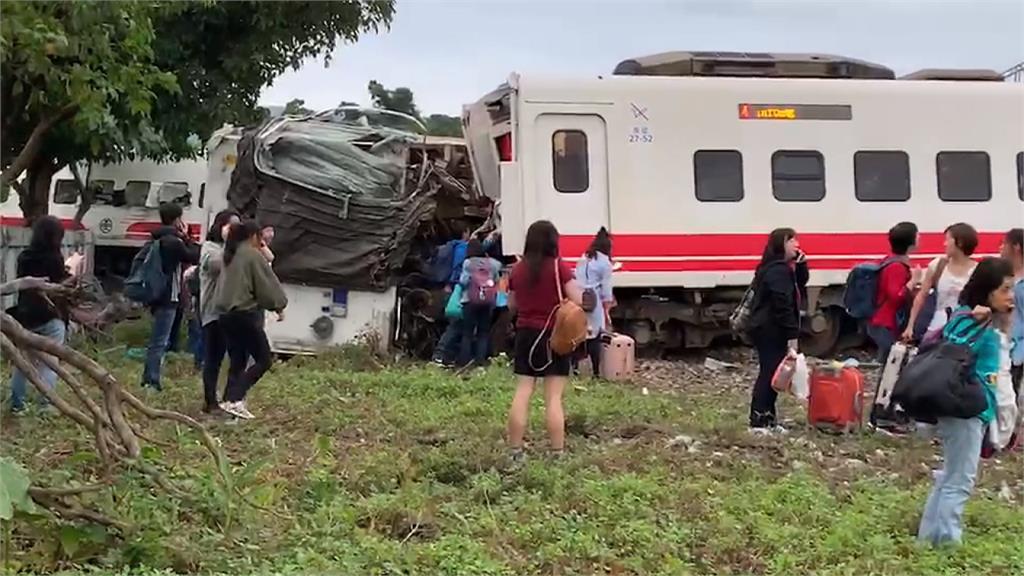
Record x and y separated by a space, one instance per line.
357 201
691 158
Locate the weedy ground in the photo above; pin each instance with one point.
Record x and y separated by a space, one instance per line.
360 466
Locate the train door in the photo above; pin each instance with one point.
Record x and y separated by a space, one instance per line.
572 174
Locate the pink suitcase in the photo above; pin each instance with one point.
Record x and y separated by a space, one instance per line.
618 357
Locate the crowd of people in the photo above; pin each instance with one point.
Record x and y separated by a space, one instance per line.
955 298
226 285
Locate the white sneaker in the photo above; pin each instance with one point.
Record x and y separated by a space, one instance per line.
759 431
237 409
779 430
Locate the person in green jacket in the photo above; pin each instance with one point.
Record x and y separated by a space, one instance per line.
248 287
991 287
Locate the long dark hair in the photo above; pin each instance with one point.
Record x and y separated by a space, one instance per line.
541 244
475 249
238 234
988 276
214 234
775 249
47 235
602 243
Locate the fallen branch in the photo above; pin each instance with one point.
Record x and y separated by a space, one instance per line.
19 361
117 438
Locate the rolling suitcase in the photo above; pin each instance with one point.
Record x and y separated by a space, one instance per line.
836 401
618 357
885 413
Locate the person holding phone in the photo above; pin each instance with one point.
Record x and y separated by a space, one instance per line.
781 288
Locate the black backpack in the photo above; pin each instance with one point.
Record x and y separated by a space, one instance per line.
940 381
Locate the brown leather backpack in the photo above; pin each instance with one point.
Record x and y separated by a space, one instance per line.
570 322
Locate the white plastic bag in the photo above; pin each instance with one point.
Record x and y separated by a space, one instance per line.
801 386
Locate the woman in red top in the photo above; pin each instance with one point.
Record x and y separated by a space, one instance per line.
536 286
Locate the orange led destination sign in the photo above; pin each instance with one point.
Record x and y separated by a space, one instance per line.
795 112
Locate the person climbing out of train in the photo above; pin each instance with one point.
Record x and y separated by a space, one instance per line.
947 275
247 288
177 252
594 274
211 263
780 286
896 283
536 287
990 286
35 311
479 281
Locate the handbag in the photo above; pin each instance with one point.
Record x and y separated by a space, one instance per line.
931 302
941 381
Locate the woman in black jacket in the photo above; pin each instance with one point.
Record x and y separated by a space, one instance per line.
34 311
781 287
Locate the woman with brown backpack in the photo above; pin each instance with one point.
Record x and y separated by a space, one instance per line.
550 323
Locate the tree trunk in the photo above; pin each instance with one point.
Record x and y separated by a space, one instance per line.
35 192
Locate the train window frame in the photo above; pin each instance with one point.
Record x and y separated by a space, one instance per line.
1020 175
781 194
557 181
736 194
858 171
145 200
58 195
944 195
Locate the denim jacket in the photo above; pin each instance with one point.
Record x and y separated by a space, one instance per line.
1017 329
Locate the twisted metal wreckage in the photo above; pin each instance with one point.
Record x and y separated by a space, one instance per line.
360 204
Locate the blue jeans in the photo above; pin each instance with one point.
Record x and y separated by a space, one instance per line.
448 344
55 330
476 334
883 339
163 323
195 340
961 452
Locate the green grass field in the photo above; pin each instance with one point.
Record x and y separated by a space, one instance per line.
356 467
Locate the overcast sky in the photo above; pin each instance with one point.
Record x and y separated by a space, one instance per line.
450 52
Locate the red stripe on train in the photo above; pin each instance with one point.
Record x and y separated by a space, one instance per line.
842 264
712 245
20 222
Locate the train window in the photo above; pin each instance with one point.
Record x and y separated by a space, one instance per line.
174 193
570 162
65 192
964 176
798 175
1020 175
718 175
136 192
881 176
104 191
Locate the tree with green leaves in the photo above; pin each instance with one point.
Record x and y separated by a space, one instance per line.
402 100
94 81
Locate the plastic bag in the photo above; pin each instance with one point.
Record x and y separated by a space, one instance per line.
453 310
783 378
801 384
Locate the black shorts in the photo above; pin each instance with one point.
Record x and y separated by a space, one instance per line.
525 340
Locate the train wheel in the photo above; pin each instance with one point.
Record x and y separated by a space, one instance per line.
824 335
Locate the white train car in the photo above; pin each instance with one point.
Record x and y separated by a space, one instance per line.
691 171
126 207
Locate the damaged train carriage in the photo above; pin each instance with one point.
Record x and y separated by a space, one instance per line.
349 202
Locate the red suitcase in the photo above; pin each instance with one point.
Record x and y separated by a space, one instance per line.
618 357
836 400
